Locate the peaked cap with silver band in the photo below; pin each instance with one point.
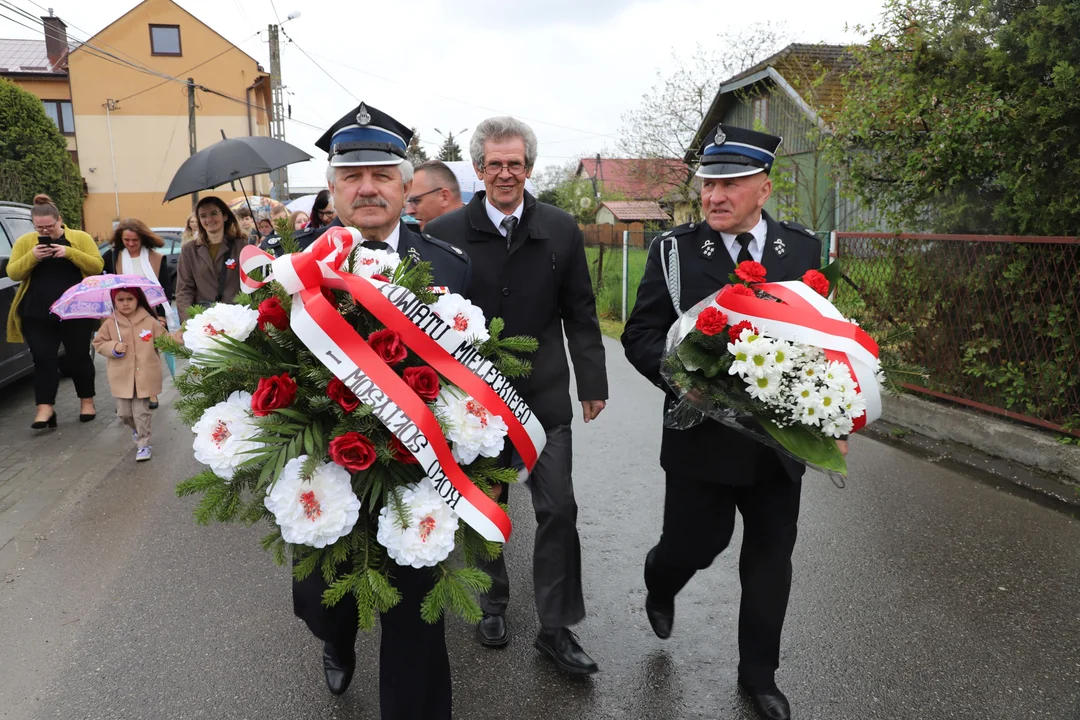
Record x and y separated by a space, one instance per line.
365 136
737 152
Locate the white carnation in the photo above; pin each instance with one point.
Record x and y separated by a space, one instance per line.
235 321
316 513
223 435
472 430
367 262
463 316
428 538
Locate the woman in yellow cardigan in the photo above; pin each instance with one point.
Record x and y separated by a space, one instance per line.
46 263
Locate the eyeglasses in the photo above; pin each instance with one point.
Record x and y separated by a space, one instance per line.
46 228
515 168
326 213
414 198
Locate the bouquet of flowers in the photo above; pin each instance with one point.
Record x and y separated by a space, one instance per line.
777 361
360 412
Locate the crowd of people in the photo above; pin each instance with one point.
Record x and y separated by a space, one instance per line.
497 251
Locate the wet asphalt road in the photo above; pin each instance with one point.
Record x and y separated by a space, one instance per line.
919 593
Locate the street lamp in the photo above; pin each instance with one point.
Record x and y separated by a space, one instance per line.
449 137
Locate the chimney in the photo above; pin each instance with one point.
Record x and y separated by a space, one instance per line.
56 39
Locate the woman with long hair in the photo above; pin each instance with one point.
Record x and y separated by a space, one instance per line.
209 268
134 252
299 220
45 263
322 210
191 229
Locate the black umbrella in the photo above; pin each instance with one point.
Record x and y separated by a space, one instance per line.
229 161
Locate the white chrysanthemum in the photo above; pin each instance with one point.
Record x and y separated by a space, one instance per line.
429 537
809 415
472 430
316 513
765 387
837 427
837 375
784 355
463 316
803 393
813 371
855 405
236 321
223 435
830 402
367 262
749 354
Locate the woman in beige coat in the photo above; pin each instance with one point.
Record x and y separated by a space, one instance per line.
209 267
134 369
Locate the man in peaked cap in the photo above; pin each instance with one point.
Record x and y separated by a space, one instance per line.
711 470
370 179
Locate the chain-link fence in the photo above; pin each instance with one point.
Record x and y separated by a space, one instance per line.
995 319
616 265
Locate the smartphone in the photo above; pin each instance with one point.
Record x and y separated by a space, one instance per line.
44 240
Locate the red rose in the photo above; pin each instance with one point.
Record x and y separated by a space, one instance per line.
401 453
271 313
340 393
750 271
741 290
389 346
352 451
424 381
272 394
736 330
711 321
817 282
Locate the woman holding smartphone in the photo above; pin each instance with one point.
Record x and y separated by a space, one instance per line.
46 263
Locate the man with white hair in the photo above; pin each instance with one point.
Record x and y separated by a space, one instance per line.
370 179
530 270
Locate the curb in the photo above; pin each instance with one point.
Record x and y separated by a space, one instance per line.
1053 468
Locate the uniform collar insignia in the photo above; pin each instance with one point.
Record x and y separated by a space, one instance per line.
414 254
778 246
708 247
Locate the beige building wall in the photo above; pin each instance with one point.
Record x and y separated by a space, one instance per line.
149 114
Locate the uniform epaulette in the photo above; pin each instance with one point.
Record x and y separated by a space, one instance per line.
682 230
798 227
453 249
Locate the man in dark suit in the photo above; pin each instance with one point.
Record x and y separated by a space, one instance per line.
713 470
370 178
529 268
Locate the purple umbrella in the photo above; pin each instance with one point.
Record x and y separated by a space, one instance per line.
92 298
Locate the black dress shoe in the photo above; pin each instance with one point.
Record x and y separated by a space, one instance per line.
769 702
491 630
154 405
661 616
42 424
87 417
338 667
563 647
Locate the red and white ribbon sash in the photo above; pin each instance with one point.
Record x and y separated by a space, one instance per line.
803 316
337 345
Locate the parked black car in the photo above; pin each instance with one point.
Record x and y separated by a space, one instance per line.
15 360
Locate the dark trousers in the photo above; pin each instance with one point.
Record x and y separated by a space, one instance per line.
557 549
44 336
699 518
414 668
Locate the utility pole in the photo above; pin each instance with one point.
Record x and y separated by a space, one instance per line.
280 177
193 146
595 183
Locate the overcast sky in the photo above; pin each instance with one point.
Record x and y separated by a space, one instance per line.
570 68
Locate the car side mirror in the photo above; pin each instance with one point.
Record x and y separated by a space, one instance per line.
3 266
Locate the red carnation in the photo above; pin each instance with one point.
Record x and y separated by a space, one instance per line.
340 393
273 394
352 451
389 346
424 381
401 453
736 330
817 282
272 313
711 321
750 271
741 290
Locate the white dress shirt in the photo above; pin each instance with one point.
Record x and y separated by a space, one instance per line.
497 215
757 247
393 238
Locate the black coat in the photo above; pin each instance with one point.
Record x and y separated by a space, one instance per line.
708 451
450 265
539 287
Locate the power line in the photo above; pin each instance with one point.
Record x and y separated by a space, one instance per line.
274 8
193 67
350 92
